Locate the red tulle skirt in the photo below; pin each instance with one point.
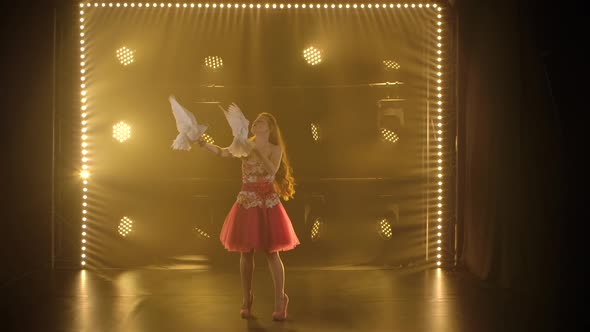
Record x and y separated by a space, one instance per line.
262 229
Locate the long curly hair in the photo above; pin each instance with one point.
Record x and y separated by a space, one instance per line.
284 181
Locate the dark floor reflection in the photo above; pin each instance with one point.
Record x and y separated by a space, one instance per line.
344 298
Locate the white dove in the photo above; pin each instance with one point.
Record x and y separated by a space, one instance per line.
186 123
240 146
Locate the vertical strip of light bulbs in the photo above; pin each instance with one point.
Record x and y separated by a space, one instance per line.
85 172
439 131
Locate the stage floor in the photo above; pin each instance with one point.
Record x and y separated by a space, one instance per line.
200 298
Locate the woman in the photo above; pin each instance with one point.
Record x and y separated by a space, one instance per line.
258 220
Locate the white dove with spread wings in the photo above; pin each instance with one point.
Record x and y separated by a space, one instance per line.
186 123
240 146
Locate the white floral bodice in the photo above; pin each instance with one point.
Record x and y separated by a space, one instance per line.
257 186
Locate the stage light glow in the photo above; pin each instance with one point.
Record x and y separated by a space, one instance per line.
125 226
312 55
208 138
121 131
384 228
125 56
316 229
213 62
389 135
201 233
391 65
315 132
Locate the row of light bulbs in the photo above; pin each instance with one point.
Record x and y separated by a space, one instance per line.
274 5
439 133
85 173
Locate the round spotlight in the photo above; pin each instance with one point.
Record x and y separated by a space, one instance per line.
384 229
125 226
125 56
208 138
389 136
121 132
312 55
201 233
317 228
315 132
391 65
213 62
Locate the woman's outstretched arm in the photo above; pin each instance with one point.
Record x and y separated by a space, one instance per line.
215 149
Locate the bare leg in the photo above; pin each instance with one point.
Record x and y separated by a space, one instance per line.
277 271
246 271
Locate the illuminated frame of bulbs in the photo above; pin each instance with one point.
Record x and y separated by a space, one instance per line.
85 7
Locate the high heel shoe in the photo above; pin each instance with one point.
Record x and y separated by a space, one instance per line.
246 313
281 315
